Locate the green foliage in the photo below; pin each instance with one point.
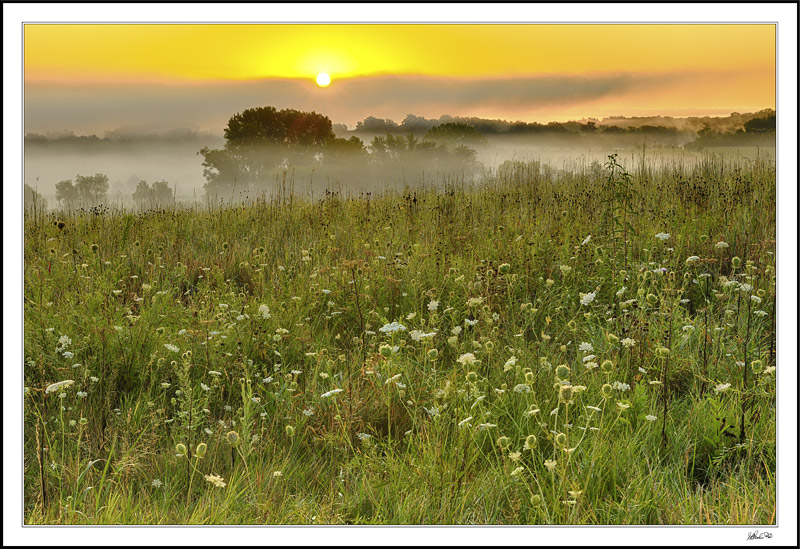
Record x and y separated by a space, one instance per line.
455 133
294 340
157 195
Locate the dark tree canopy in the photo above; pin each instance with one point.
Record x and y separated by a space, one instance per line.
261 141
155 196
456 132
760 125
269 126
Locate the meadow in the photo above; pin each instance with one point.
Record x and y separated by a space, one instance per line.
551 346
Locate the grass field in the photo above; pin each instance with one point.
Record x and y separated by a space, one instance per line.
549 347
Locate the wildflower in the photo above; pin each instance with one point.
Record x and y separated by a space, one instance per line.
58 386
232 438
529 377
692 259
518 471
392 328
622 406
467 359
663 236
594 408
562 371
156 483
216 480
650 417
277 474
463 422
180 450
586 347
722 387
331 393
606 389
64 342
565 269
433 305
628 342
418 335
721 245
171 347
619 386
607 366
522 388
530 442
586 240
201 449
393 379
662 352
550 464
474 302
68 354
586 299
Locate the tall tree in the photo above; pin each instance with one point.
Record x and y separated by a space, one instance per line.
259 142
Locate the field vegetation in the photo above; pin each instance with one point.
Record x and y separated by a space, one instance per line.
547 347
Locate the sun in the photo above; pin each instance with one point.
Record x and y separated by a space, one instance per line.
323 80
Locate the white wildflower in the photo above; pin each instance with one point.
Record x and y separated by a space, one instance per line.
467 359
392 327
58 386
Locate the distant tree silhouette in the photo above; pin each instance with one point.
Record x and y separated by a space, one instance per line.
33 200
93 189
156 196
258 142
456 133
67 194
760 125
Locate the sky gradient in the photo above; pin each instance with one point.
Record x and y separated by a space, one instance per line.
94 77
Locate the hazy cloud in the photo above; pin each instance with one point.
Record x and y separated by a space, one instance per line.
97 107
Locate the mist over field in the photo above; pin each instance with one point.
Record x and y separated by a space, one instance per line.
380 154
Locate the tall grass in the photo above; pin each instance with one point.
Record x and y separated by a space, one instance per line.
493 354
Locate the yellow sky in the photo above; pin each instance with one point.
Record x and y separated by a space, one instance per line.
658 67
190 52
